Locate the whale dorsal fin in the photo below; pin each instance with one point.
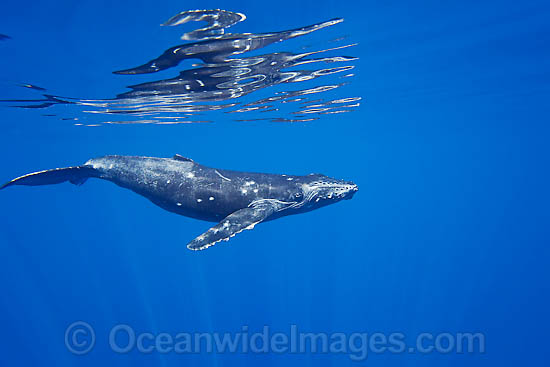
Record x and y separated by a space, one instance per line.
178 157
234 223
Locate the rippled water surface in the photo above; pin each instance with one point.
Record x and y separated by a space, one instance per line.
224 77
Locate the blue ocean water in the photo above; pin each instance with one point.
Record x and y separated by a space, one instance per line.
448 233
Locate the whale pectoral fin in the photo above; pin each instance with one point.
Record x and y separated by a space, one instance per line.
234 223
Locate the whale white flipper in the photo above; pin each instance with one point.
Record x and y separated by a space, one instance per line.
234 223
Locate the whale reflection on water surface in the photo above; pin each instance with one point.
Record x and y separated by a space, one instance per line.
224 76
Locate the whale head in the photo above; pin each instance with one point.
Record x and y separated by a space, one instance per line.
319 190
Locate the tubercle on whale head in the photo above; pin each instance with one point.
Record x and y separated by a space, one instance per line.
322 190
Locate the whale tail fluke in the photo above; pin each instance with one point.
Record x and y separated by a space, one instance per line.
76 175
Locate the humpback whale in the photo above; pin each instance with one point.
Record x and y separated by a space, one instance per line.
235 200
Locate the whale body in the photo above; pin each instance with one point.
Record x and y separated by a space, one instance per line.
235 200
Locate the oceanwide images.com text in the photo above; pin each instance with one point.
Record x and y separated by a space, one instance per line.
80 338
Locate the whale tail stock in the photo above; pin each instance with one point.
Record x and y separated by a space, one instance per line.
76 175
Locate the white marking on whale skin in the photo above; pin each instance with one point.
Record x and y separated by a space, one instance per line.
222 176
252 225
201 237
279 205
